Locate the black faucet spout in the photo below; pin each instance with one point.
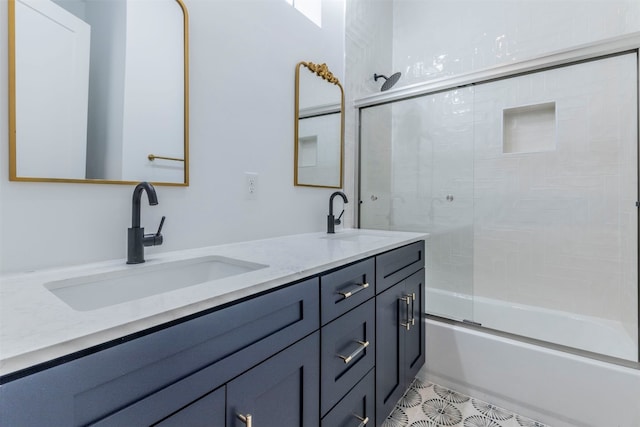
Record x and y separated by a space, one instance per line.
336 193
136 239
137 196
331 220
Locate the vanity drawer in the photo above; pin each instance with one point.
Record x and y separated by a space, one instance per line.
218 346
357 408
398 264
346 288
347 353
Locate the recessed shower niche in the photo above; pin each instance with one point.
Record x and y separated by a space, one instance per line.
529 128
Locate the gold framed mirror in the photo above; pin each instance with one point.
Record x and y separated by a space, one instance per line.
318 127
99 91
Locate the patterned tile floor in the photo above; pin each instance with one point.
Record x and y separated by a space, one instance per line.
430 405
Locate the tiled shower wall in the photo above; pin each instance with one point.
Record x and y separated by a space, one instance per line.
368 50
439 38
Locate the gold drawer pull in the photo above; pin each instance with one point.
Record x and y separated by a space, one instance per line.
363 422
245 419
349 358
355 290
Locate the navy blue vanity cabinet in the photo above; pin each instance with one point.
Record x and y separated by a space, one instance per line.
148 378
281 391
400 350
335 350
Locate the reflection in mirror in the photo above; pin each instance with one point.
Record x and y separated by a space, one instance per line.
319 127
98 91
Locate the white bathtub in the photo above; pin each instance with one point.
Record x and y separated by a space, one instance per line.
551 386
588 333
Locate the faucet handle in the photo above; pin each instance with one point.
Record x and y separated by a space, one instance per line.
337 221
160 226
154 239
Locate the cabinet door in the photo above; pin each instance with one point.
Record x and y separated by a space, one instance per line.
391 311
400 351
414 343
281 391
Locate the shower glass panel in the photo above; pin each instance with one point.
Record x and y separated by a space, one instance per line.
555 221
527 187
416 167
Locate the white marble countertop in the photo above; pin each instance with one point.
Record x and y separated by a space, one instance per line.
36 326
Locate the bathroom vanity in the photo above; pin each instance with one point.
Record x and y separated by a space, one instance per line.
329 333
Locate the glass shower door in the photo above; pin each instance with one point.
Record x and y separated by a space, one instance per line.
416 174
527 187
556 225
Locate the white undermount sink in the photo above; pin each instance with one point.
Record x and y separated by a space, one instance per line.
134 282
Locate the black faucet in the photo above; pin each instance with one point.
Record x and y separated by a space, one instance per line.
331 220
136 239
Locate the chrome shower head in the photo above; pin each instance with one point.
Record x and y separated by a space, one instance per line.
389 81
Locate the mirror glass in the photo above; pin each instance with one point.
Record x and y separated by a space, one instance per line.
319 127
98 91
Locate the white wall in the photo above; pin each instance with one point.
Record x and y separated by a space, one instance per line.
243 56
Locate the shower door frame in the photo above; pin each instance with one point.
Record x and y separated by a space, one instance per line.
586 53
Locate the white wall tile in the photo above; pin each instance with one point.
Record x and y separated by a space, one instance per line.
436 38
